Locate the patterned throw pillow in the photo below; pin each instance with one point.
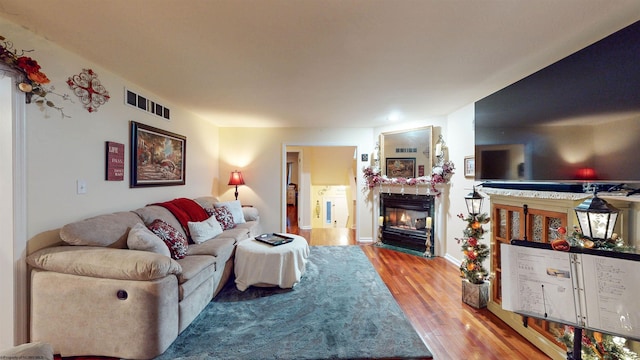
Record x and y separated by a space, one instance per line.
235 208
223 215
175 241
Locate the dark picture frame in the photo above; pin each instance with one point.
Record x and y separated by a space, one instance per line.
401 167
158 157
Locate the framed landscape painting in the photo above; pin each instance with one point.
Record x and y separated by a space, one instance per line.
401 167
157 156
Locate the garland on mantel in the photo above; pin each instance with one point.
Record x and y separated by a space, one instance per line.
440 174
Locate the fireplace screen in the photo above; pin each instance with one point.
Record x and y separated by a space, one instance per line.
405 220
402 219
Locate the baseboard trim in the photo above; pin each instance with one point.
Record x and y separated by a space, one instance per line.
452 260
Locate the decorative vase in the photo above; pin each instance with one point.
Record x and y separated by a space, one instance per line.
475 295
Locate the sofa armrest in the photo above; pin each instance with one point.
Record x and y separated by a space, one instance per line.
250 213
100 262
35 350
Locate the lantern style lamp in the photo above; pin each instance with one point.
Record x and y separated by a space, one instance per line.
597 218
236 179
474 202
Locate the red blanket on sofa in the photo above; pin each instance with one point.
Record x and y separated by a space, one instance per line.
185 210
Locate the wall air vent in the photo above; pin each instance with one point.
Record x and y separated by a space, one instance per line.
144 103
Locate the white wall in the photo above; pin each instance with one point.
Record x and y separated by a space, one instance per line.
61 150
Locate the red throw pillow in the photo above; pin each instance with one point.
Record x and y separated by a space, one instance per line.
175 241
223 215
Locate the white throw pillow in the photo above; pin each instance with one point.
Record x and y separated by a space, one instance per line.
236 210
141 238
204 230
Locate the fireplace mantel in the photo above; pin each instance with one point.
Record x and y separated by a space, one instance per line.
418 189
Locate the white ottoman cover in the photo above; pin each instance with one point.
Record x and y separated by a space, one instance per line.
260 264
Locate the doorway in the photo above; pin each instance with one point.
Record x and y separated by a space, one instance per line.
320 188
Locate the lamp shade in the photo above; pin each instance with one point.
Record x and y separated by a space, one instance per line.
597 218
236 178
474 202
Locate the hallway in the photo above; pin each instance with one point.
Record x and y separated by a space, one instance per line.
319 236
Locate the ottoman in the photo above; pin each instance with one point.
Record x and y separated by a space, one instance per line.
260 264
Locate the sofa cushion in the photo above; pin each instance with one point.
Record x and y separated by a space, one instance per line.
220 247
206 201
204 230
236 210
100 262
196 269
224 217
103 230
175 241
141 238
248 230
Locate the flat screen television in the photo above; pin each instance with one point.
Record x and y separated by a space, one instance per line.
575 121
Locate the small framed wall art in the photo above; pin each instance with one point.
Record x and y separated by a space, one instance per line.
114 161
157 157
469 166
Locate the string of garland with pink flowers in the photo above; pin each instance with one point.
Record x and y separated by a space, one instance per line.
440 174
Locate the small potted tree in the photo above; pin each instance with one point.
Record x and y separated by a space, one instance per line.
475 288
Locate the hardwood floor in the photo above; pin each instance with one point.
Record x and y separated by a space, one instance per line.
429 293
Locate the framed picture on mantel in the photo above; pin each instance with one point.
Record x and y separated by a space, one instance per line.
401 167
157 156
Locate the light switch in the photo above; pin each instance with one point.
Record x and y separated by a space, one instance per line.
81 186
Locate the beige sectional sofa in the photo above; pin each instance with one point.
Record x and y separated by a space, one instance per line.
92 295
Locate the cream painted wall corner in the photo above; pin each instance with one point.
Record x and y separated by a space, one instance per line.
460 140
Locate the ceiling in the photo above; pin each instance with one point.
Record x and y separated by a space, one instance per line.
321 63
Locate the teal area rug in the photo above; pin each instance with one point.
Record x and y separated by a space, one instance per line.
341 309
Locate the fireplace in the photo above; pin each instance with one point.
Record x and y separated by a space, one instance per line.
405 220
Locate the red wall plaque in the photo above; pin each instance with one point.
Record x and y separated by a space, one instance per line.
115 161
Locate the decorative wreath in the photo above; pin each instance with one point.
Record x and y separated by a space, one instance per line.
87 87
